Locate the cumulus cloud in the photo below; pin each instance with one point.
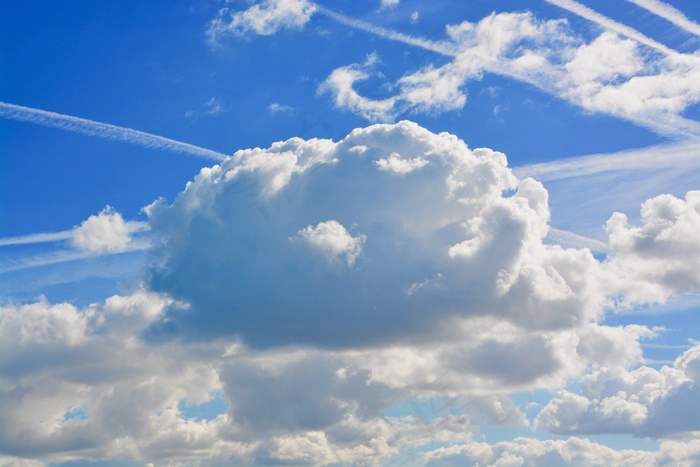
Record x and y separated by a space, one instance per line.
434 233
107 232
264 18
572 452
660 256
447 215
79 382
642 402
311 286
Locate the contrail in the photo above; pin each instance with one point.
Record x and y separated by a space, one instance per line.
585 12
566 238
669 125
678 155
46 237
63 257
388 33
670 13
103 130
37 238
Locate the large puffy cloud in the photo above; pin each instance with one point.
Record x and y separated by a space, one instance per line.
410 268
643 402
432 231
80 383
395 234
662 254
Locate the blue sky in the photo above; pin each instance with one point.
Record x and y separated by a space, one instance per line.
288 232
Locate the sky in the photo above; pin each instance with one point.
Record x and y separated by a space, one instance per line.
286 232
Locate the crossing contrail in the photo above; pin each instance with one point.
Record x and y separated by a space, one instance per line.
103 130
669 13
610 24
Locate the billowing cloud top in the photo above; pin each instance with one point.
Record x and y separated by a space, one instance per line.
392 234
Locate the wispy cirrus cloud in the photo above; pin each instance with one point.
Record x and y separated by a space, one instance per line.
682 154
103 130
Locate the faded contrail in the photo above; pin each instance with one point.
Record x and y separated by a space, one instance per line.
669 13
37 238
677 155
566 238
103 130
388 33
591 15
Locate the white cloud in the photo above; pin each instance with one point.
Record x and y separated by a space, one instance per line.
445 241
642 402
332 239
263 18
276 108
389 3
340 84
659 258
450 296
106 232
610 75
395 164
570 452
211 108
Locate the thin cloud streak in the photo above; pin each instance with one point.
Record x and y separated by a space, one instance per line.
610 24
677 155
64 257
672 126
44 237
388 33
570 239
670 13
103 130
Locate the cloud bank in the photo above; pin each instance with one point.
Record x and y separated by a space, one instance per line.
309 287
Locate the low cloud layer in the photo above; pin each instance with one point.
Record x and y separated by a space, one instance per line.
310 287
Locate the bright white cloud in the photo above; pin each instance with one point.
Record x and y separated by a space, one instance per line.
395 164
263 18
332 239
643 402
609 74
106 232
449 294
660 257
444 241
340 85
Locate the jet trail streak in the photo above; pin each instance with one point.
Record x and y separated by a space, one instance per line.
103 130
